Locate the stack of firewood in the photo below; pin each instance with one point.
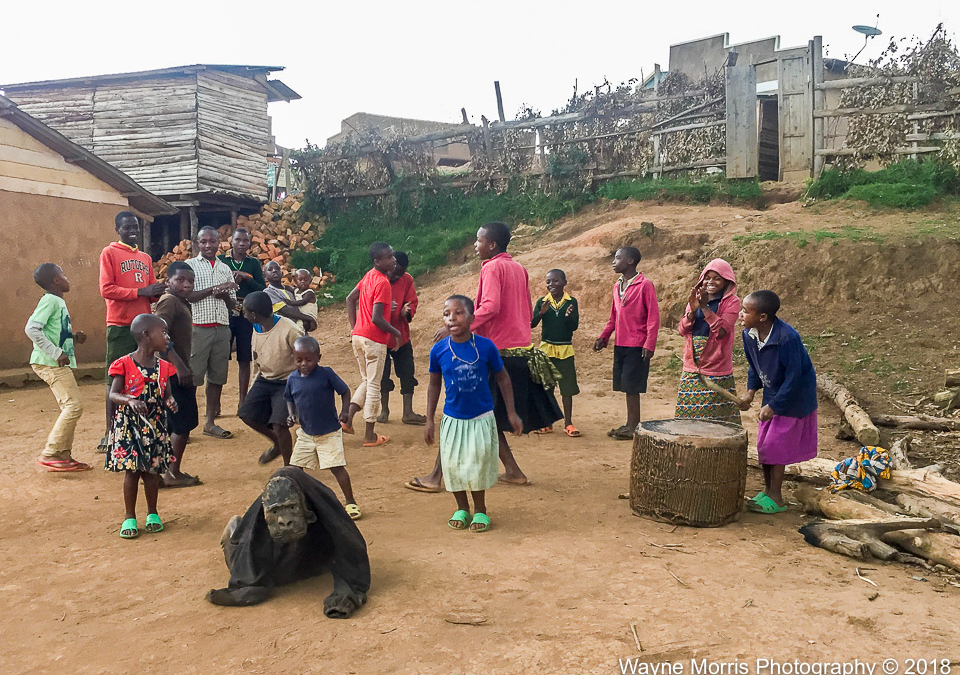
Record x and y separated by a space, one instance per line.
275 232
950 397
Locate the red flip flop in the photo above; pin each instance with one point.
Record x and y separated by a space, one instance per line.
63 465
381 439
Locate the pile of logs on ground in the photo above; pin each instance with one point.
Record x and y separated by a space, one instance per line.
275 233
949 398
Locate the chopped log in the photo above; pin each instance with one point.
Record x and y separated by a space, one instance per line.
835 506
898 453
947 399
952 378
869 499
925 482
937 547
867 433
920 422
925 507
864 538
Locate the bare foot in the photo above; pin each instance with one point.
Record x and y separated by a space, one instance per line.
422 485
511 479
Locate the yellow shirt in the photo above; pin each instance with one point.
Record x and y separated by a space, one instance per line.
551 350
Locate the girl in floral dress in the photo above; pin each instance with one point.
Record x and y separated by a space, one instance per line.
141 439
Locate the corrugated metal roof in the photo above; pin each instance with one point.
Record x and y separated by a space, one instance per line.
139 197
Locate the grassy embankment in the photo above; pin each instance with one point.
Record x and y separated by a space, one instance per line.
428 225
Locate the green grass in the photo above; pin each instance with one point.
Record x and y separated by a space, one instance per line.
427 224
683 190
803 237
908 184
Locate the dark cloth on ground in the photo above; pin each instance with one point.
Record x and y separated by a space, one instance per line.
241 333
537 407
264 403
258 563
187 416
630 370
402 359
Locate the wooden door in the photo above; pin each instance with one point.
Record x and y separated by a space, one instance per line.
795 99
741 101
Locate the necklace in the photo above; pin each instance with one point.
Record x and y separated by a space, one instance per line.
453 354
233 264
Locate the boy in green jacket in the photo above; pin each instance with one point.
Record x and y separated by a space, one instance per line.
561 317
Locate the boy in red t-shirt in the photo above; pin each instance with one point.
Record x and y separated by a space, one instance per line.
368 307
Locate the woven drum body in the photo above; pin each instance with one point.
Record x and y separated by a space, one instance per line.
688 472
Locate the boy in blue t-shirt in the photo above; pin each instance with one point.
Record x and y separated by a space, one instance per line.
466 363
53 361
309 396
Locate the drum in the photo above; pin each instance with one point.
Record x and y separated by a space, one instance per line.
688 472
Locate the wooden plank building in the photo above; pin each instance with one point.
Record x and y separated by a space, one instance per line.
58 202
198 136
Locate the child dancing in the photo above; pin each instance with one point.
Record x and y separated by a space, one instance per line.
468 431
561 317
140 445
708 327
779 364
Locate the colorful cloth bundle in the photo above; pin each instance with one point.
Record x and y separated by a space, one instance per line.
861 472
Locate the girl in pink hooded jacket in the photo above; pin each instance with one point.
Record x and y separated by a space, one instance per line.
708 326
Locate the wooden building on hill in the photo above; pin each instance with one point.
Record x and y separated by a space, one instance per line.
58 202
198 136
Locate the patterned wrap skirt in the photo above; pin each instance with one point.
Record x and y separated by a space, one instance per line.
469 452
695 401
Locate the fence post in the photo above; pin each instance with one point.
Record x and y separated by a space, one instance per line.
819 102
496 86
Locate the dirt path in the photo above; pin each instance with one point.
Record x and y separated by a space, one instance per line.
554 586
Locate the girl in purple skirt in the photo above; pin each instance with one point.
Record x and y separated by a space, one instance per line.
779 364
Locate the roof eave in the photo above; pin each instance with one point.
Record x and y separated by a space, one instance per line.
139 197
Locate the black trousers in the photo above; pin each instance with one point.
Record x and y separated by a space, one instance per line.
402 359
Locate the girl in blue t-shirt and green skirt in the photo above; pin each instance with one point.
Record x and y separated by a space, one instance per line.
468 430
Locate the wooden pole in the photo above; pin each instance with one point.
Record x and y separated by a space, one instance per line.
147 231
166 237
487 146
463 112
184 225
194 229
819 99
863 427
496 86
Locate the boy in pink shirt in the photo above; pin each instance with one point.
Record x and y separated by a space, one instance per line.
635 318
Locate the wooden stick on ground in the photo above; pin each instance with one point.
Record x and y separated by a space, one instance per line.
867 433
925 507
864 539
937 547
898 454
920 422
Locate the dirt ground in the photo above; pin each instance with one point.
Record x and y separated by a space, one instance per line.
554 587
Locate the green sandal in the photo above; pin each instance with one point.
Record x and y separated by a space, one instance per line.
130 526
459 517
153 524
481 519
757 497
764 504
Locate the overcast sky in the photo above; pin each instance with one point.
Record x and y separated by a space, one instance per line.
424 59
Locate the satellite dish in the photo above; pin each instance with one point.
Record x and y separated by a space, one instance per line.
869 31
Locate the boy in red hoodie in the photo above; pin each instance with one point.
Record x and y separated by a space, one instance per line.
635 317
127 285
